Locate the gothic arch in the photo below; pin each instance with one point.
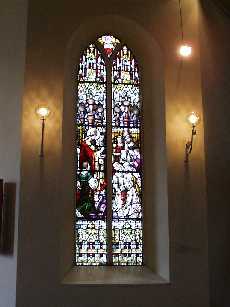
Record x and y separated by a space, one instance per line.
148 54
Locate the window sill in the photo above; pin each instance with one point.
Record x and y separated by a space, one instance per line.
112 276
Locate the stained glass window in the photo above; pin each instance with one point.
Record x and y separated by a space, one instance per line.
109 209
109 43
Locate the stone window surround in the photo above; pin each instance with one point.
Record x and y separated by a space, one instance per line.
155 197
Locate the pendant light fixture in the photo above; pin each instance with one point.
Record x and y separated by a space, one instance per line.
185 49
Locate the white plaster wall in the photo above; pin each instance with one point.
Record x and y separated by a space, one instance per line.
12 55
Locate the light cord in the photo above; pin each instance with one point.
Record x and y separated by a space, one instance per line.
181 21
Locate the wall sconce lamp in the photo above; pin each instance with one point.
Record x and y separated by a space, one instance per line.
43 113
193 119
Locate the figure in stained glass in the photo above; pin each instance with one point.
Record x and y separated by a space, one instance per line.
91 183
127 182
93 226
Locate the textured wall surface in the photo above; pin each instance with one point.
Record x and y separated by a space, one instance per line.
215 54
12 60
50 28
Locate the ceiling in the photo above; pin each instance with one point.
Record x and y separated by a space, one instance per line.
223 4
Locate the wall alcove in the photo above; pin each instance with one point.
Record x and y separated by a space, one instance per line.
155 196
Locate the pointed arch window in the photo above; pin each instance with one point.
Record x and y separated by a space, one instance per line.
109 212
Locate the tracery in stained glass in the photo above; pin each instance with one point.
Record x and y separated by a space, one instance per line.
125 69
92 65
109 43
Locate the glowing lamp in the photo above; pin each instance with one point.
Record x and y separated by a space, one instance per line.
193 119
42 113
185 51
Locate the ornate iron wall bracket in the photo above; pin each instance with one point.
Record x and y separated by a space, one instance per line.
189 144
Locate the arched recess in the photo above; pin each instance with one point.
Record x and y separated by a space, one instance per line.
155 197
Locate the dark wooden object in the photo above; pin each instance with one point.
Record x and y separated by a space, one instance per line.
1 207
7 218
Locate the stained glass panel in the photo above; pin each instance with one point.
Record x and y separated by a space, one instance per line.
125 69
91 151
126 159
109 43
91 157
90 242
126 106
93 228
92 65
91 107
127 242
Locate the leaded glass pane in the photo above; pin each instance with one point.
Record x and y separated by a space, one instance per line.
125 69
93 227
91 157
109 43
127 242
126 159
91 107
90 242
92 66
126 106
91 151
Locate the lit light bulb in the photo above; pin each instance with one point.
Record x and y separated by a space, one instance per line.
43 112
185 51
193 118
